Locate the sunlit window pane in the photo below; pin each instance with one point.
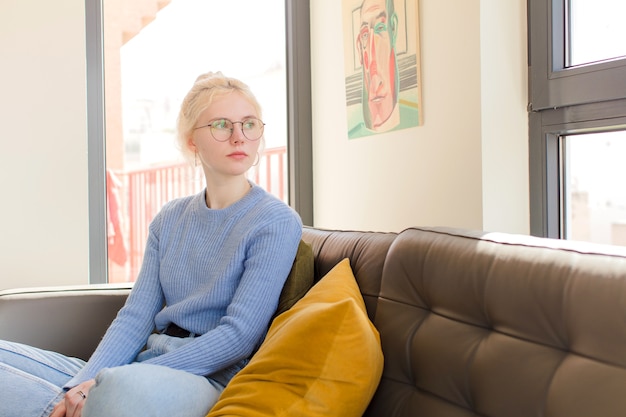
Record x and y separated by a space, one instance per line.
594 187
154 50
597 31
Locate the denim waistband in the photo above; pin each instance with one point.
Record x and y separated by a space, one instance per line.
159 344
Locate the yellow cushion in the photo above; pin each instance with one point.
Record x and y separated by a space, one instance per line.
322 357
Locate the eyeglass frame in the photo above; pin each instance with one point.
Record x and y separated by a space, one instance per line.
210 126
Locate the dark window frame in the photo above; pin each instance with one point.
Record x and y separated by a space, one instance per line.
563 101
299 130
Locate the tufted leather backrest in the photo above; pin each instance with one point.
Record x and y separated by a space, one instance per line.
471 323
367 252
495 325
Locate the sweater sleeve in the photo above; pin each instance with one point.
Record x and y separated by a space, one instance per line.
128 333
270 254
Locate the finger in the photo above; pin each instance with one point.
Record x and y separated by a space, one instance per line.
82 395
76 400
59 409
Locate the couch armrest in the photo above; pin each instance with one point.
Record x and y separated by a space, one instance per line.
66 319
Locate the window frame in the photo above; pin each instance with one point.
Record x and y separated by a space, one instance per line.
563 101
299 129
552 83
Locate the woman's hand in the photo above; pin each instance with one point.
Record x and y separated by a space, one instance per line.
72 404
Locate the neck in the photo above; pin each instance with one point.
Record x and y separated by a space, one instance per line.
220 195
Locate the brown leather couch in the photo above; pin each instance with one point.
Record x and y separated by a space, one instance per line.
471 323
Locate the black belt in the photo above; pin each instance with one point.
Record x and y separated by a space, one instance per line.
175 331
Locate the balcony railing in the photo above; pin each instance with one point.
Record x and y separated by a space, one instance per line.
137 195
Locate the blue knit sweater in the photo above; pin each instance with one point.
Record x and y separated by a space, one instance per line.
219 273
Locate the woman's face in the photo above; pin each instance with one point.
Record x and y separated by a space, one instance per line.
234 156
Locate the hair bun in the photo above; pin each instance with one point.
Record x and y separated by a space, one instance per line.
209 75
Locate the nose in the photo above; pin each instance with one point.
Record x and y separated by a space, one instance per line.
237 133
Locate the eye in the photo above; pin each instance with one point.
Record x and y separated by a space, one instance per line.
221 124
250 124
380 27
364 36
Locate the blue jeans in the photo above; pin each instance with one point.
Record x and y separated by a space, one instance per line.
31 382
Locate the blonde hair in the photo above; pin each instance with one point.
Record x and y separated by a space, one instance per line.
204 90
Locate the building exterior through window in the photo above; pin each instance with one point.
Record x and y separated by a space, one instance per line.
153 51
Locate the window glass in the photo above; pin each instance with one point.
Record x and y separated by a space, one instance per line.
594 194
154 50
577 115
597 30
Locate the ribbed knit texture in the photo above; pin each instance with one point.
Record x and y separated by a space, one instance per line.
219 273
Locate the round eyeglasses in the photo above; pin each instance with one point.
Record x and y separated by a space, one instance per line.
222 129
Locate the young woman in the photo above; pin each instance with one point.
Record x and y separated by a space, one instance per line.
214 267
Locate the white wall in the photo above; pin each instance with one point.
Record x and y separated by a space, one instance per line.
504 100
467 165
43 147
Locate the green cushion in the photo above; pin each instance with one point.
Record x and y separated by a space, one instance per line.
300 279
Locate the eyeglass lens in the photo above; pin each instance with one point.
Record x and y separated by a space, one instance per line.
222 129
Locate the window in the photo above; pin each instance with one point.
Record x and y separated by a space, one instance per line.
594 196
577 113
132 163
604 20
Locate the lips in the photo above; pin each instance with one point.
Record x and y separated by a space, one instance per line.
238 155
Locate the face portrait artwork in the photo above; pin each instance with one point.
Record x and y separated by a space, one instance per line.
381 64
375 43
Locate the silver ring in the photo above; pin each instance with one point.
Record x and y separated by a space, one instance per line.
82 394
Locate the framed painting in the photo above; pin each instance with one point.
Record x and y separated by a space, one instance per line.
382 66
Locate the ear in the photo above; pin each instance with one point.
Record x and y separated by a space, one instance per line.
393 25
191 144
